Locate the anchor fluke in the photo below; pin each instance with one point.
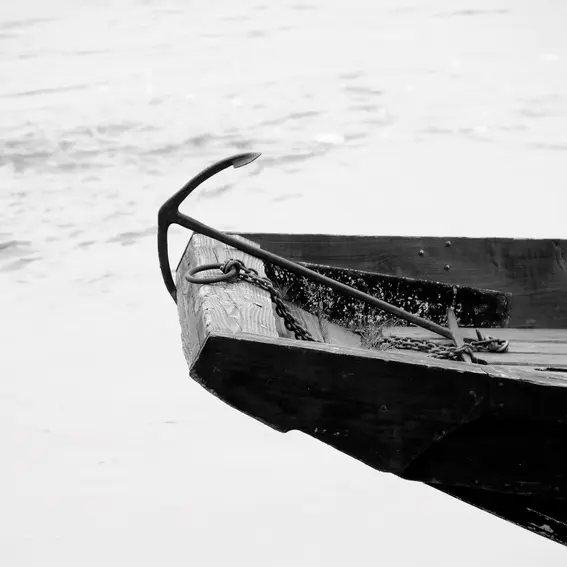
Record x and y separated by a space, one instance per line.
245 159
169 212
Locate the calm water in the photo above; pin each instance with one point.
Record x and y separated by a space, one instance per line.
437 118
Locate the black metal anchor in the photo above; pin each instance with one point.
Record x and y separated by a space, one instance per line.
169 214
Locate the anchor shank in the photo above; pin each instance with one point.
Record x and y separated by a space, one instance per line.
193 224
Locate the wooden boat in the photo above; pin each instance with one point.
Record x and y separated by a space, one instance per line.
487 426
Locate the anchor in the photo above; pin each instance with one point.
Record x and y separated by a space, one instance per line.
169 214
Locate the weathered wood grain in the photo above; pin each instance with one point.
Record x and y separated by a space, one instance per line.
557 373
538 360
533 271
236 307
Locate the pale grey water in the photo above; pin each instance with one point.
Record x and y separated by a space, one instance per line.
445 117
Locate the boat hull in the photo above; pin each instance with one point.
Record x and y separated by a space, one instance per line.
491 434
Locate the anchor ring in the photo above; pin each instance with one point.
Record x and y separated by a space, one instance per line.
232 273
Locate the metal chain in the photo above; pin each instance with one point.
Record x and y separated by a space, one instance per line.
250 275
447 352
433 349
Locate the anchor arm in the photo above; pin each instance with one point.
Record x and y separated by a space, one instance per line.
169 212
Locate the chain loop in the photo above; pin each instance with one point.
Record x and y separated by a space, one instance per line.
447 352
235 269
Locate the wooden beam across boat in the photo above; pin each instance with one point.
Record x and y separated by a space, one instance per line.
491 435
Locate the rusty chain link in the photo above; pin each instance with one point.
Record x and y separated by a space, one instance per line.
236 270
241 272
447 352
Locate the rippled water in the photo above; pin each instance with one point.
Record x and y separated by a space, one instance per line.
387 118
437 118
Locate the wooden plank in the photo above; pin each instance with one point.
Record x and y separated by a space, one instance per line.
521 340
530 379
310 382
306 320
320 328
337 335
335 393
557 373
558 336
473 307
536 354
521 353
533 271
236 307
528 347
524 359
